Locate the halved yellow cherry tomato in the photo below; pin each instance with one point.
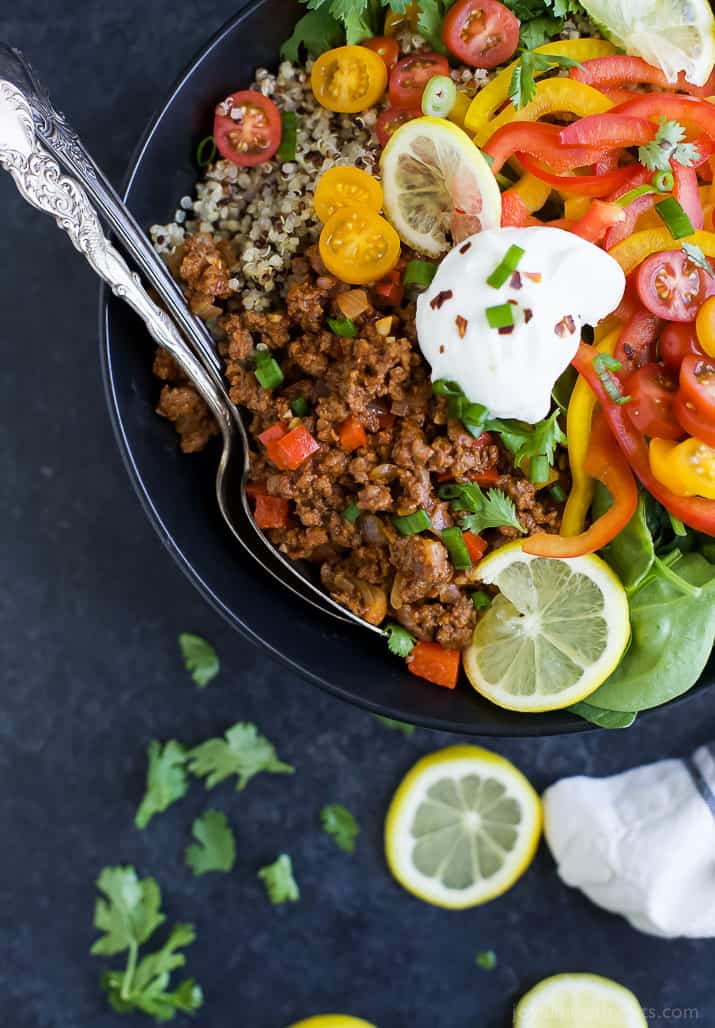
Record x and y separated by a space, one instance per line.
705 326
348 79
396 21
687 468
344 185
359 246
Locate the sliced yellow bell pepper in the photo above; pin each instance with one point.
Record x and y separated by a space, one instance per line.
687 468
575 206
533 192
552 95
459 111
633 250
578 431
605 328
496 92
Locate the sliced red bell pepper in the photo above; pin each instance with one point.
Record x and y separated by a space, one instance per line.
618 69
687 193
476 546
273 432
638 342
540 140
694 511
431 661
485 479
292 449
390 290
599 219
584 185
351 434
617 94
604 462
693 114
514 213
608 131
271 511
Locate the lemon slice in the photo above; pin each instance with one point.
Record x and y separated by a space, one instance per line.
579 1001
675 35
333 1021
554 633
438 188
463 825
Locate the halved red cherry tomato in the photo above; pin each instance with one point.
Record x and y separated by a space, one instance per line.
393 118
652 389
388 49
694 423
677 340
410 76
247 128
671 286
482 33
697 384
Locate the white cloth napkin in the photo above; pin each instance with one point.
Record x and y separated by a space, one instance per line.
642 843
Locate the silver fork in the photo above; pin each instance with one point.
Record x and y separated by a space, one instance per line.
25 113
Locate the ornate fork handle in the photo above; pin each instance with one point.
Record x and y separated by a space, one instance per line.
39 179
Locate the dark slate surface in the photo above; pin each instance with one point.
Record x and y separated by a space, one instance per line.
90 610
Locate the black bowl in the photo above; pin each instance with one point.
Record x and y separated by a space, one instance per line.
177 491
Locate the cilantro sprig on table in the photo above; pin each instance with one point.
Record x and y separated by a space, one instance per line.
215 846
278 879
166 779
243 751
668 146
339 823
200 658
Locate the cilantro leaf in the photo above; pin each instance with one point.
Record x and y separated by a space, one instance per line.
215 849
487 960
278 879
340 823
317 31
145 987
200 658
538 31
542 20
528 442
696 256
429 22
668 145
165 780
399 640
399 726
353 14
243 752
493 509
522 89
128 914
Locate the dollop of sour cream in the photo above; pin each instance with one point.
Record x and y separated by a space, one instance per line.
560 284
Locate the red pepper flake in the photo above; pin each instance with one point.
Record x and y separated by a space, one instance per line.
441 349
513 303
505 330
566 326
461 325
528 315
440 298
533 276
515 280
465 247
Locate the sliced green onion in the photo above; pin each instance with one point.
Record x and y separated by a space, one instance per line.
501 316
268 370
604 361
289 135
674 217
457 548
206 152
633 194
343 327
481 600
663 181
677 525
539 470
299 406
352 512
622 400
419 273
557 493
411 524
443 387
439 96
604 365
506 267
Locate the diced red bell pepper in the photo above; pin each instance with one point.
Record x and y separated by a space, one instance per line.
584 185
431 661
271 511
540 140
694 511
608 131
476 546
390 290
604 462
292 449
351 434
272 433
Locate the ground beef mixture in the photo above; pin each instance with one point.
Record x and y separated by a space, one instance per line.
380 378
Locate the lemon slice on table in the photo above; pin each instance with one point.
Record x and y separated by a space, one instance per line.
555 632
462 827
333 1021
674 35
579 1001
437 185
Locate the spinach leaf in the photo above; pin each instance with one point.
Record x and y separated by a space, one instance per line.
631 554
673 626
603 718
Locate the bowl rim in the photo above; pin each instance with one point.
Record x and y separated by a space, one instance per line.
530 728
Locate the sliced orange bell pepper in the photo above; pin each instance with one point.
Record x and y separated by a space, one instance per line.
431 661
352 434
292 449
